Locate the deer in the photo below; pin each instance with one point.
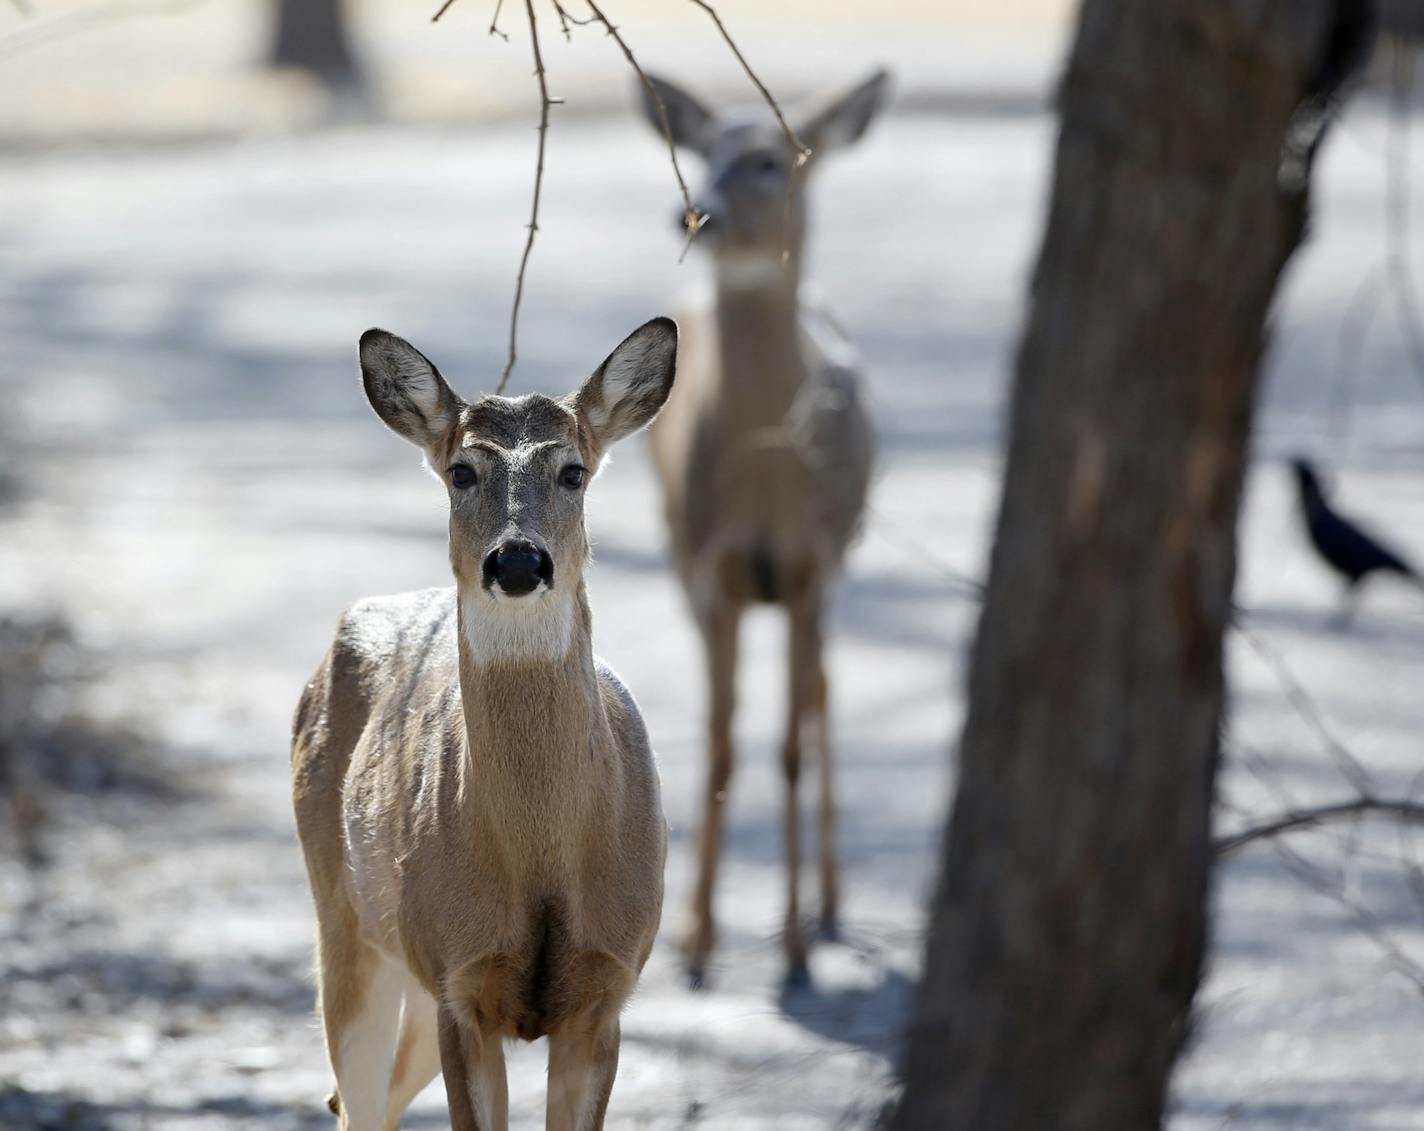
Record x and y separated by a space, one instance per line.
763 455
475 794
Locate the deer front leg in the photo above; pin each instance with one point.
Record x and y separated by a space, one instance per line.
583 1059
472 1063
805 689
719 631
417 1052
360 993
819 708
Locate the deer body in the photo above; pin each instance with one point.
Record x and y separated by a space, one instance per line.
475 792
764 455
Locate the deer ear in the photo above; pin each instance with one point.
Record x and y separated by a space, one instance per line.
689 121
406 390
844 119
628 389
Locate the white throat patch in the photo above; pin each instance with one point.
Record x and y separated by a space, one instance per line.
499 629
749 270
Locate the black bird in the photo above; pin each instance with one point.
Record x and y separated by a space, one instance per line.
1347 549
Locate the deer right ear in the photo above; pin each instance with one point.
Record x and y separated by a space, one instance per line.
845 118
406 390
628 389
689 122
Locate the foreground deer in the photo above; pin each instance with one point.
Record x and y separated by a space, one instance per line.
764 455
475 794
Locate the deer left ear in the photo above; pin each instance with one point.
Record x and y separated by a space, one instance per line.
844 119
628 389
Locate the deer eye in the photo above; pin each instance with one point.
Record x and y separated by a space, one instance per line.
462 475
572 476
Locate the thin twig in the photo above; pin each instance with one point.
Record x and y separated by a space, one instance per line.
1367 922
445 7
494 22
1350 767
567 20
1411 812
966 586
692 219
801 151
544 103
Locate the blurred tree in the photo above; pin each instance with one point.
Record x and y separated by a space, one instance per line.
1404 18
1069 924
310 35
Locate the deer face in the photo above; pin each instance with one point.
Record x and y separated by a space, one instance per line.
750 165
516 469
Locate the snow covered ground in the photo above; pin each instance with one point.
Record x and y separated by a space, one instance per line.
204 490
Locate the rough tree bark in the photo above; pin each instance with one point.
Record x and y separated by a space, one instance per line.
310 35
1067 934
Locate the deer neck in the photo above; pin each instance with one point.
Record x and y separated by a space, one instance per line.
758 332
534 720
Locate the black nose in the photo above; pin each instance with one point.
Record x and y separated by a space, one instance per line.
518 566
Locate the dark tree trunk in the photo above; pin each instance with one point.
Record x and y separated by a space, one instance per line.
1068 930
311 36
1404 18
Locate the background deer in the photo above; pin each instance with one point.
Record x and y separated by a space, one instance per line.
764 455
474 790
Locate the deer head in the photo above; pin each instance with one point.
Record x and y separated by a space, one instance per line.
515 469
749 163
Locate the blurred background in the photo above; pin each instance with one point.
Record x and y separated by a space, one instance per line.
199 216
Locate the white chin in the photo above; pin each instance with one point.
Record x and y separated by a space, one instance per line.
531 628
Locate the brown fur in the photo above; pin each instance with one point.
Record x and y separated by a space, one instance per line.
483 832
764 454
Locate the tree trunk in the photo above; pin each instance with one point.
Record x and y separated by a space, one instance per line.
1069 924
310 35
1402 18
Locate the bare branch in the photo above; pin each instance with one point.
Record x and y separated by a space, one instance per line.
962 583
567 18
494 23
692 218
544 103
802 151
1410 812
1350 767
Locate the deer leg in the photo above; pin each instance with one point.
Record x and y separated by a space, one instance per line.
360 992
472 1063
829 869
417 1052
583 1059
719 632
803 691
